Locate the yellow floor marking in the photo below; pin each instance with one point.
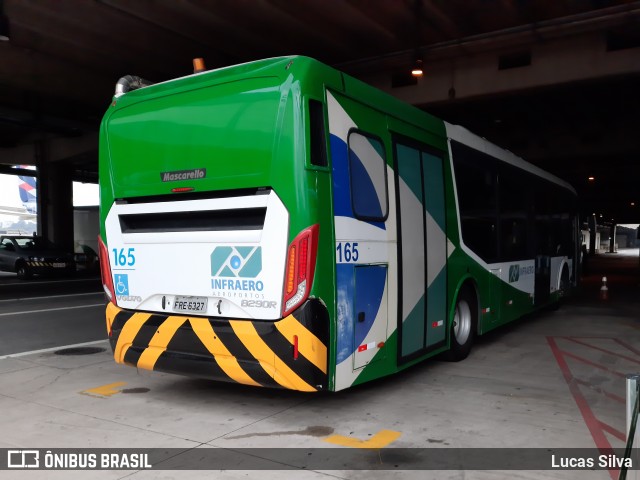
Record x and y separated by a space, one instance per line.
105 390
379 440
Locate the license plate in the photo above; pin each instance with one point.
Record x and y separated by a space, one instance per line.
59 265
190 304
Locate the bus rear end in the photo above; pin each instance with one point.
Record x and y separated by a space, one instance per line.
206 260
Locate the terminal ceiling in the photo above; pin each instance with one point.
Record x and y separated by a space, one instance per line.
59 68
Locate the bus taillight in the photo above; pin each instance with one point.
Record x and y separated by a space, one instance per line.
301 263
105 271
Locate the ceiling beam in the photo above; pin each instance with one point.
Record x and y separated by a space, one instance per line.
102 27
435 16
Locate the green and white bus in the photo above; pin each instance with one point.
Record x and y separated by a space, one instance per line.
279 223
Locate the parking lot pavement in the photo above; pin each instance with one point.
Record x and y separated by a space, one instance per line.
12 287
41 322
549 381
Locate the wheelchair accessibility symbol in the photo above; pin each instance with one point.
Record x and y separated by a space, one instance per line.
122 284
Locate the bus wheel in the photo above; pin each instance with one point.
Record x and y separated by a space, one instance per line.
463 328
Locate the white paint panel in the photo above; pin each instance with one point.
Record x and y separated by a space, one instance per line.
368 252
339 122
526 274
349 229
436 246
167 264
556 272
412 238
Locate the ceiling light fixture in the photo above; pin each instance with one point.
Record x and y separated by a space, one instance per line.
591 179
417 70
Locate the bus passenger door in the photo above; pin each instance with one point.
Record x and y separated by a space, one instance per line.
422 249
542 288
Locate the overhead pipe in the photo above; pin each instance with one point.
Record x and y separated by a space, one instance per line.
130 82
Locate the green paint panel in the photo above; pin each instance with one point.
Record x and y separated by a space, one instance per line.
413 330
434 188
226 129
409 169
437 309
377 146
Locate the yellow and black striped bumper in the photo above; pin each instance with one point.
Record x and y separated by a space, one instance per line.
259 353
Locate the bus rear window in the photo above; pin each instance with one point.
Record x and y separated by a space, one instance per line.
317 134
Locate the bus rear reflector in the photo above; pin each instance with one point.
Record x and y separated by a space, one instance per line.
105 271
301 264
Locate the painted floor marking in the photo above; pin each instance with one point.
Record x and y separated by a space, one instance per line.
52 309
52 349
379 440
62 282
627 346
597 428
602 391
613 431
105 391
48 297
604 350
592 364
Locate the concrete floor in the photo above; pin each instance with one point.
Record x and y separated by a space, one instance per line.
553 380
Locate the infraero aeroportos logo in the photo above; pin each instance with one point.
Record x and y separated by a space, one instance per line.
236 262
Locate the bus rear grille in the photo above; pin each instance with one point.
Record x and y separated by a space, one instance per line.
194 221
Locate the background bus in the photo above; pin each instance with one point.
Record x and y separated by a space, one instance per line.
279 223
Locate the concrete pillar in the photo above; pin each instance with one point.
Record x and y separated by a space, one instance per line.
593 230
612 239
41 154
55 199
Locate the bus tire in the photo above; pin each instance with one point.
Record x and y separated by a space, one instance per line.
464 326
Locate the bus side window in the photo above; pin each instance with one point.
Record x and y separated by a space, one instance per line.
368 177
477 190
515 201
317 137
